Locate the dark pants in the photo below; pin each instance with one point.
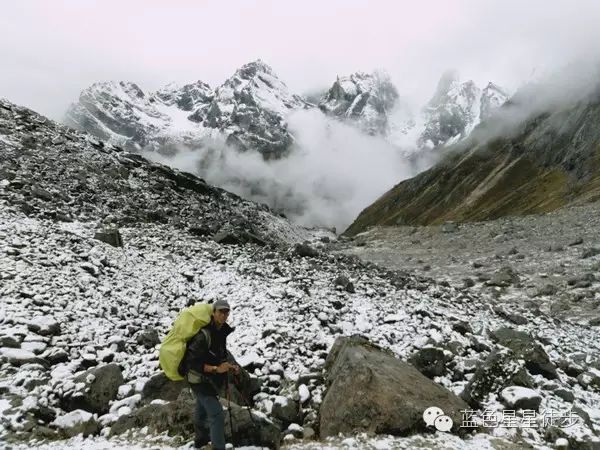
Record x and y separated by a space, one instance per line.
210 412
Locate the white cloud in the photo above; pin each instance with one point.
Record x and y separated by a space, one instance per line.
52 50
333 171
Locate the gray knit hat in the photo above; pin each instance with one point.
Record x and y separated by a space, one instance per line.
220 304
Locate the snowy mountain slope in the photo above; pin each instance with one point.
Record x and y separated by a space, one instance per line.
363 99
372 102
122 114
52 171
456 108
71 302
248 110
518 163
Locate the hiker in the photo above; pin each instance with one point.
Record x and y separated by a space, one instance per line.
205 367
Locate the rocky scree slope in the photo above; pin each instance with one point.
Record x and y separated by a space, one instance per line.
48 170
76 311
543 163
547 264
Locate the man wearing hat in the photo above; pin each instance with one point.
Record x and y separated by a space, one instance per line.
205 366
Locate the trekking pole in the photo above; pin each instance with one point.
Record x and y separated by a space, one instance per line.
247 405
229 405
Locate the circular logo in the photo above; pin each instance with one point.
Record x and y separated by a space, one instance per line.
430 414
443 423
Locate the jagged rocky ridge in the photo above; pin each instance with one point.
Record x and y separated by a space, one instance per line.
56 172
518 163
364 99
372 102
456 108
76 310
249 111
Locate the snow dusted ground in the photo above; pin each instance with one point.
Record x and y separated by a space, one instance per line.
287 311
69 302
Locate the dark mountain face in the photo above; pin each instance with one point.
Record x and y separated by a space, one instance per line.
53 171
248 111
363 99
546 161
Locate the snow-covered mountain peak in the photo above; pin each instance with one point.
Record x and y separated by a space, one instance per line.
363 98
456 108
492 97
187 97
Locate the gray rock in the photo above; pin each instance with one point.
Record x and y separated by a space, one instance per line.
148 338
305 250
449 227
499 370
98 393
565 394
160 387
111 236
517 397
286 410
513 317
430 361
576 241
176 418
344 281
590 252
589 380
548 289
44 326
9 341
525 347
365 386
503 277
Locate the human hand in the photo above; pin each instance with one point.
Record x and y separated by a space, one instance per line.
225 367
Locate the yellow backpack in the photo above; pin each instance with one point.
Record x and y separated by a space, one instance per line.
173 347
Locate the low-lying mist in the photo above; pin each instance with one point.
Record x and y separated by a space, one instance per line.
333 171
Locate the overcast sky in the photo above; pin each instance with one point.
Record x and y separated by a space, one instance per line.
50 50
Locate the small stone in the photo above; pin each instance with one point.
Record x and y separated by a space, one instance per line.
519 397
305 250
576 241
110 236
565 394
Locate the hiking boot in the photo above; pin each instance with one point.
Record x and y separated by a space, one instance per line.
202 442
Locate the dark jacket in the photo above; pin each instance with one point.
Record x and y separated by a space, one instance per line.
198 354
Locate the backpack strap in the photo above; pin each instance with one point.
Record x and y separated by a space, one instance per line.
206 334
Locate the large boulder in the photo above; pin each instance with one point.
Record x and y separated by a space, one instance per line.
101 385
526 348
176 418
499 370
160 387
369 389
